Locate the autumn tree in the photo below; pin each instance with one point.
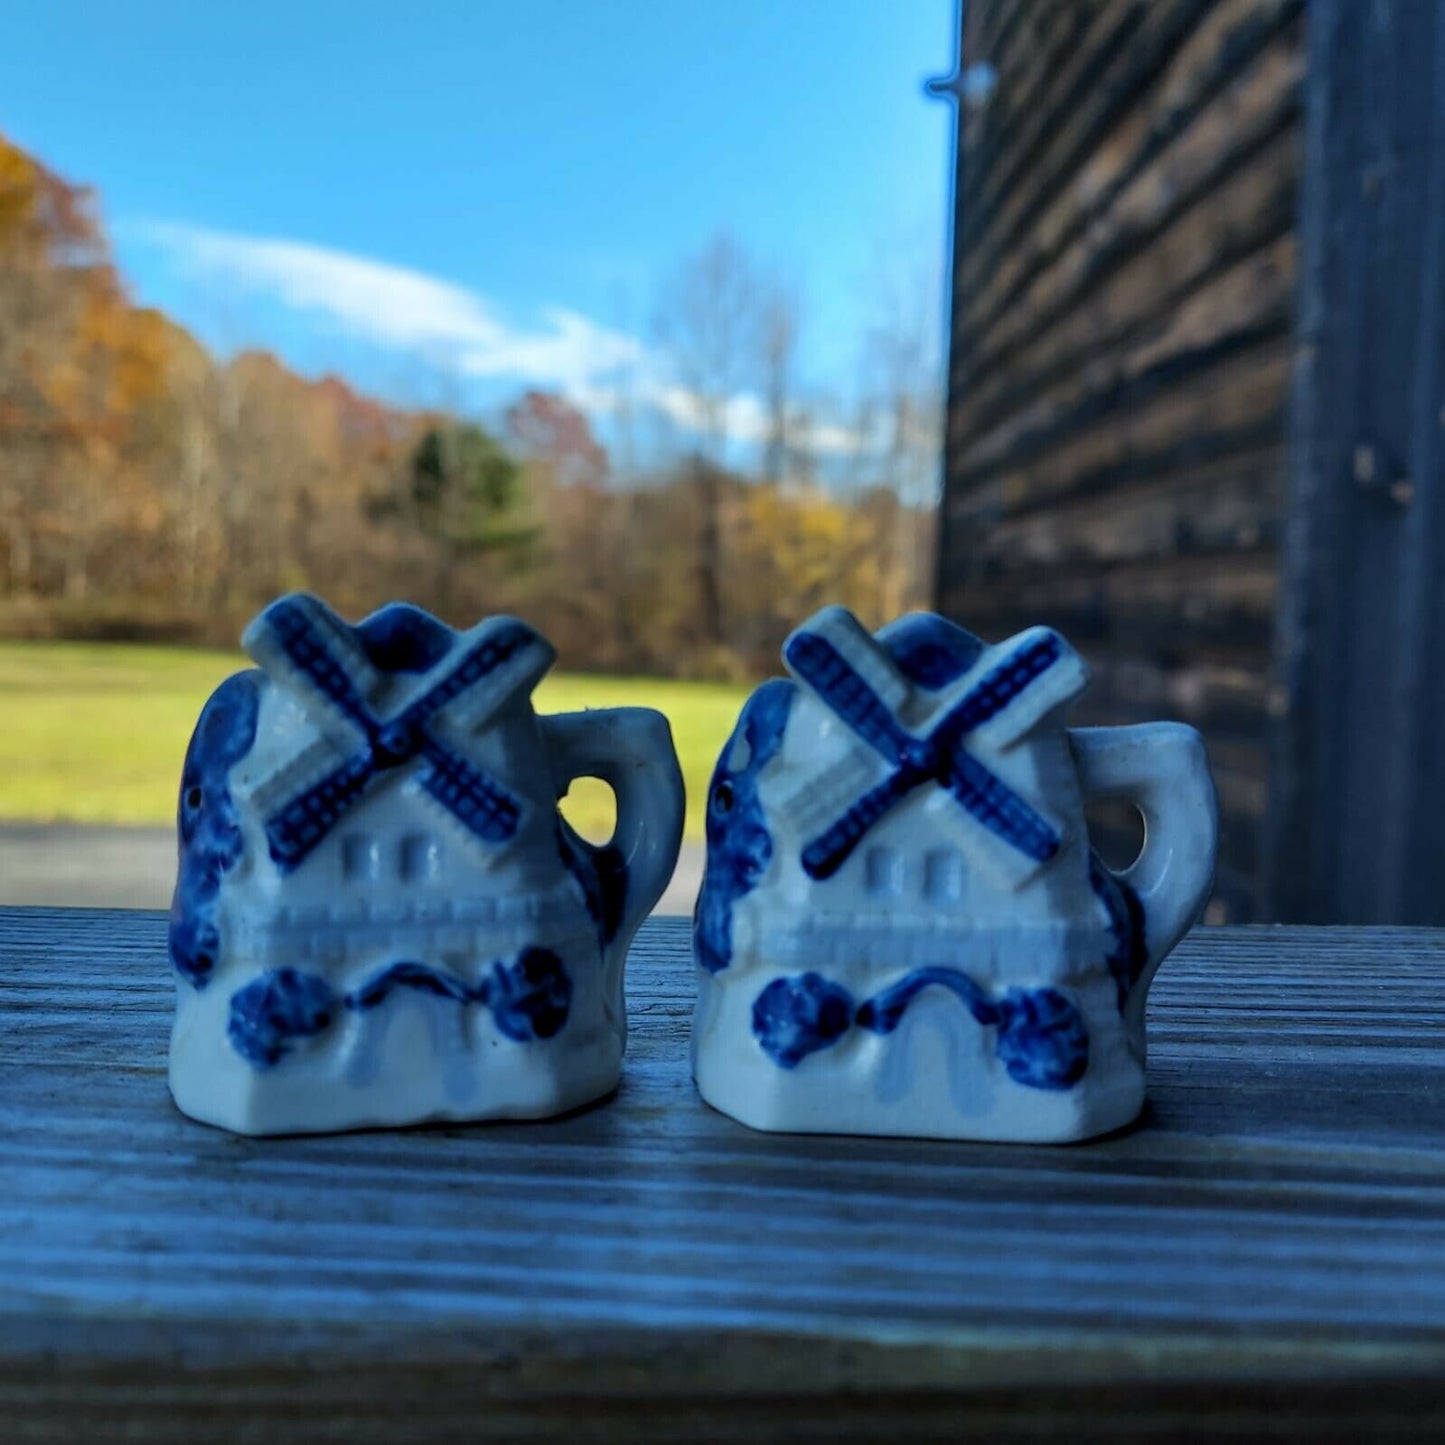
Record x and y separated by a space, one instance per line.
777 341
708 324
145 482
546 428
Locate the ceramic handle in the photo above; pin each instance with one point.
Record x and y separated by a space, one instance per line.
1162 769
630 749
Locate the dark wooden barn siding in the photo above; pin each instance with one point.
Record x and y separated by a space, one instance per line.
1124 292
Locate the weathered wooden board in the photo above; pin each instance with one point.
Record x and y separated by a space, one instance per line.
1108 224
1359 772
1265 1253
1253 206
1125 291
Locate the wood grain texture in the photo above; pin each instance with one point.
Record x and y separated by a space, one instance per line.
1265 1251
1359 775
1126 279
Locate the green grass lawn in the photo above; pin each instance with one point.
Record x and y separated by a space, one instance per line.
95 733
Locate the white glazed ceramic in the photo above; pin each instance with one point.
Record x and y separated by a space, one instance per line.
380 917
902 928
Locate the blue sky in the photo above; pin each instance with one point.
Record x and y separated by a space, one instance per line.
454 201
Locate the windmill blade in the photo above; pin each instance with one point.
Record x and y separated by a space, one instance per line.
827 853
817 661
1007 679
1023 681
505 654
300 637
480 804
993 803
297 828
809 801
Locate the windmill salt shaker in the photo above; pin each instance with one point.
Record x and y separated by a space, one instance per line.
902 928
380 917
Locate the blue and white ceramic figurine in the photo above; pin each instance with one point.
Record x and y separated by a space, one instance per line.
381 917
902 927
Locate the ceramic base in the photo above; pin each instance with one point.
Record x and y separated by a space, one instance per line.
419 1059
937 1076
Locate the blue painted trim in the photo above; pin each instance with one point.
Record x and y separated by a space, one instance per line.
1128 949
403 638
929 650
211 843
419 976
601 874
529 998
939 757
1042 1041
739 845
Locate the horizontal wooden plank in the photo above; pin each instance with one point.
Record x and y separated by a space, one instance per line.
1250 301
1251 208
1099 84
1230 406
1236 900
1131 189
1271 173
1014 127
1221 700
647 1268
1224 506
1165 611
1244 794
1025 55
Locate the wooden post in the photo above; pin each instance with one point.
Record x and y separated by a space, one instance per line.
1356 828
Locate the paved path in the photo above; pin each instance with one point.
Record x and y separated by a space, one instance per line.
65 865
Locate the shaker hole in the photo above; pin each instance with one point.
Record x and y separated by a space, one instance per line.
590 806
1116 832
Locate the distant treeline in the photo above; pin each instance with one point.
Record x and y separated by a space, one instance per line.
148 490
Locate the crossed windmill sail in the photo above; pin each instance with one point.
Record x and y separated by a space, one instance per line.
307 648
916 737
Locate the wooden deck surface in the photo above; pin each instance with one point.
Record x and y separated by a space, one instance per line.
1265 1252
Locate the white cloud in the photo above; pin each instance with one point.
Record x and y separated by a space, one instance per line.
396 307
748 423
457 328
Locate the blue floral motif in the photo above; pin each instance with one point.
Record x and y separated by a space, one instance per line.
211 843
272 1010
795 1017
1042 1040
529 999
739 845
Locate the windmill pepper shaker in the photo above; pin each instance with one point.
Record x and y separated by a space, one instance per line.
902 927
380 916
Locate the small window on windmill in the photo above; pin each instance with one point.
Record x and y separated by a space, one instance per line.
421 858
360 858
943 877
884 873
